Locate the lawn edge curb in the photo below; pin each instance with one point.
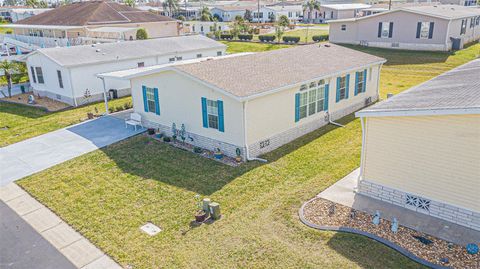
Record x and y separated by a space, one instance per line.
384 241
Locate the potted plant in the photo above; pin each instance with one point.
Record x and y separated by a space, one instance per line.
238 158
197 150
218 154
200 214
151 131
166 139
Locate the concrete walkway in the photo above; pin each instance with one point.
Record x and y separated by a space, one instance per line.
72 245
36 154
343 193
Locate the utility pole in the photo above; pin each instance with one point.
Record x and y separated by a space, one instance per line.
390 5
258 12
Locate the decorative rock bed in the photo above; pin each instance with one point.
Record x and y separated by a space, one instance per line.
205 152
430 251
41 102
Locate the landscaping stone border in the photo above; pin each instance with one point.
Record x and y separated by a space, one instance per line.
388 243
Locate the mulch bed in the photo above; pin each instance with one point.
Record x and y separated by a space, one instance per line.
205 152
319 212
42 102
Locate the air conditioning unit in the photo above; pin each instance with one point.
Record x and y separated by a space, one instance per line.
368 101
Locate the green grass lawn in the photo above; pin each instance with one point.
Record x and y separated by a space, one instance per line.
303 33
237 47
108 194
25 122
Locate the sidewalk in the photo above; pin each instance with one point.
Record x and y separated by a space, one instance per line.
77 249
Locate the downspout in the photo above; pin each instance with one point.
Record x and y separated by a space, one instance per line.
245 138
360 177
105 95
332 122
71 87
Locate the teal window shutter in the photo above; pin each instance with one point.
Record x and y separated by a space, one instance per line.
157 103
204 112
364 80
221 126
297 107
356 84
145 102
325 105
347 86
338 90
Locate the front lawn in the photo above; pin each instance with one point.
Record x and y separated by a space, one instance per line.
20 122
108 194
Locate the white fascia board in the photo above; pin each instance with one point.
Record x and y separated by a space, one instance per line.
418 112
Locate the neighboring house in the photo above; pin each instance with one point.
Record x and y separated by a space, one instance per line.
203 27
65 74
255 102
436 28
448 2
264 14
13 14
293 12
335 11
421 148
228 13
88 22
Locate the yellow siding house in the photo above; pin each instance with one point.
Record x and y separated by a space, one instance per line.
421 148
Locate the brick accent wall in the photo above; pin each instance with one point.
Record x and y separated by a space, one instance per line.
278 140
437 209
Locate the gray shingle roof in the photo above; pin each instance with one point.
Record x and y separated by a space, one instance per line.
257 73
109 52
445 11
456 89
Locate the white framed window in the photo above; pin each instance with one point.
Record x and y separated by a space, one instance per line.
34 77
60 79
463 28
342 88
312 100
141 64
360 82
171 59
39 72
219 53
178 58
385 30
199 55
150 99
424 30
344 27
212 114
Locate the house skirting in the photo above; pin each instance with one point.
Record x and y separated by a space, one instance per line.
199 140
54 96
278 140
400 45
79 100
420 204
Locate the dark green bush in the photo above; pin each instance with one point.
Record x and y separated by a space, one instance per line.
266 38
245 37
197 150
318 38
226 36
166 139
291 39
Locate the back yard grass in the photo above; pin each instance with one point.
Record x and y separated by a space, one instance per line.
108 194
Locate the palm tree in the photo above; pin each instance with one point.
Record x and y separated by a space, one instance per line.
311 6
32 3
8 68
130 3
171 5
205 14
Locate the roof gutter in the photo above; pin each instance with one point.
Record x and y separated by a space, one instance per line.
418 112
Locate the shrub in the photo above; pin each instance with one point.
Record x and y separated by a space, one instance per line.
127 105
167 139
291 39
197 150
245 37
318 38
141 34
118 108
266 38
226 36
111 109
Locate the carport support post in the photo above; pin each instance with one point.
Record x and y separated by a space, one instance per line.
105 95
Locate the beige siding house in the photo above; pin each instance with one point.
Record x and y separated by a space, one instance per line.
255 102
436 28
421 149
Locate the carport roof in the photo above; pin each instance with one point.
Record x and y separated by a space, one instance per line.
454 92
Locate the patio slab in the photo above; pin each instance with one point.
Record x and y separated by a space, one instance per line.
38 153
343 192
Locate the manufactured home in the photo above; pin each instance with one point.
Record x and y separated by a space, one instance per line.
421 148
256 102
68 74
435 28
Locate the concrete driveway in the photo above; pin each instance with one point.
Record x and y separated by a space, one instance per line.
21 247
36 154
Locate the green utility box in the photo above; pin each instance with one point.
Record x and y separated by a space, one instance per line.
215 211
